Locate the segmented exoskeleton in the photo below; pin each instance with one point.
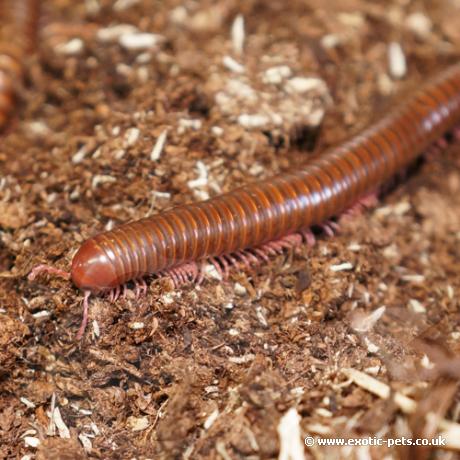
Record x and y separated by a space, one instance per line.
237 224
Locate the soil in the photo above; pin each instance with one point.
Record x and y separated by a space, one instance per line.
242 90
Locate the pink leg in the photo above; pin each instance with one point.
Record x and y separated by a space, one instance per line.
193 271
309 237
201 273
287 242
278 246
137 289
330 228
327 230
261 254
335 226
295 239
190 271
268 250
169 273
144 287
182 274
232 261
125 290
246 258
84 321
217 266
173 275
179 280
250 256
116 293
140 287
226 266
221 265
368 201
43 268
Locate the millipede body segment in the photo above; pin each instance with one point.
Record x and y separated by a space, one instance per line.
18 31
266 210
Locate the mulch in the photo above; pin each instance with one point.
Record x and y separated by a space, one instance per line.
237 91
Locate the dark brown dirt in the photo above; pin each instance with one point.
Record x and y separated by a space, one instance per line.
207 372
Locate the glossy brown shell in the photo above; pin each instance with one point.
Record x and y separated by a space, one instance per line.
18 32
269 209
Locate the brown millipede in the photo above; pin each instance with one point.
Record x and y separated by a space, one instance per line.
18 30
234 226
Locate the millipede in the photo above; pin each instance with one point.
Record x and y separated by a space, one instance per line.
18 30
246 224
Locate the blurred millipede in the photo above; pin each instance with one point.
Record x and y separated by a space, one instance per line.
235 226
18 31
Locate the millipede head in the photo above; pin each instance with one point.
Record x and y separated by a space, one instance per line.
92 270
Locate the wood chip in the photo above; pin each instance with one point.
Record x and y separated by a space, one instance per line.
290 434
396 60
238 34
380 389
